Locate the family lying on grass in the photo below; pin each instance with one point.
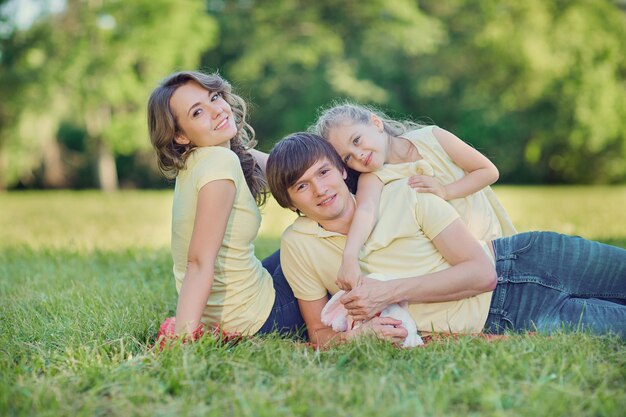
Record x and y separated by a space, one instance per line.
424 222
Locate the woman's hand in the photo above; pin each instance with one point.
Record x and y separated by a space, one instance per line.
349 275
426 184
167 333
366 300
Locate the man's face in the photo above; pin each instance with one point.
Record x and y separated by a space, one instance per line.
321 193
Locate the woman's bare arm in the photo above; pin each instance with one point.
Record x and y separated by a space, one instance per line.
215 202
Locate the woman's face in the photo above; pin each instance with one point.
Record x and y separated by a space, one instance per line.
203 116
362 147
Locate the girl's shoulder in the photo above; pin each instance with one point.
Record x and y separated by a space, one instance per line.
427 143
422 134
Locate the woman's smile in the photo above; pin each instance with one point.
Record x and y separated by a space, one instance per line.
222 124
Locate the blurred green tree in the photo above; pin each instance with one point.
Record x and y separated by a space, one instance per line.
296 56
538 86
94 64
541 85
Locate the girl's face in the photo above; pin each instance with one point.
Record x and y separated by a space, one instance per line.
362 147
203 116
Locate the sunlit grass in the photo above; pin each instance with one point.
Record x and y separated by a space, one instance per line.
141 219
92 220
597 213
85 279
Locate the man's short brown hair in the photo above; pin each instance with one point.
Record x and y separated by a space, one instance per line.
291 157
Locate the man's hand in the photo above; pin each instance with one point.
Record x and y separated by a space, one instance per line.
385 328
426 184
366 300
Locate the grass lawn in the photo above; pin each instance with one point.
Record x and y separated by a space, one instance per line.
85 279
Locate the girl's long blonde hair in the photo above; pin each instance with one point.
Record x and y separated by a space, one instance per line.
340 113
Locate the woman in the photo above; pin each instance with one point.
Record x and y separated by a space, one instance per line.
199 131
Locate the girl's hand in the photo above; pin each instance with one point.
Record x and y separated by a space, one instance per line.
349 275
426 184
366 300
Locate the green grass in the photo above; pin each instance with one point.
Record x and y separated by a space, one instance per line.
85 279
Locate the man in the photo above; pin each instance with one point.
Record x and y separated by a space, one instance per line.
431 259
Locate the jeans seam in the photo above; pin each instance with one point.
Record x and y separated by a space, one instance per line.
524 279
580 300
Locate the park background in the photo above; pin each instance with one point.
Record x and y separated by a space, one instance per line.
539 86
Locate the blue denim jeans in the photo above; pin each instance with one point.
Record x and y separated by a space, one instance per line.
285 316
548 281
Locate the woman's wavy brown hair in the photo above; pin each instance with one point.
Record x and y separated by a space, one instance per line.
163 129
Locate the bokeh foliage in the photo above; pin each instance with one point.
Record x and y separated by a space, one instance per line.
539 86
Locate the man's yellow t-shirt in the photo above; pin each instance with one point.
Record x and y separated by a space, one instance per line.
400 246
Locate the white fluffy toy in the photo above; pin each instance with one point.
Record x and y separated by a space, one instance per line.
335 315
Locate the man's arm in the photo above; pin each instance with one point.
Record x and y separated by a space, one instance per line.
319 333
471 273
322 335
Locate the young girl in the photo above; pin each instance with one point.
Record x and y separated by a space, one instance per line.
435 160
199 131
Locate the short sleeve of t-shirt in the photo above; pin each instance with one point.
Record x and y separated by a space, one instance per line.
433 214
392 172
215 163
299 267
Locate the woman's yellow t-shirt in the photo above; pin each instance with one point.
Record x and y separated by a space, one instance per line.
242 294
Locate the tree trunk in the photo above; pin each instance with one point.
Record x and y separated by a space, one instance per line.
107 169
3 185
53 170
95 121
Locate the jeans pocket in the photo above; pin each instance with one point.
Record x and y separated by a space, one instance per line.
523 242
504 324
498 323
